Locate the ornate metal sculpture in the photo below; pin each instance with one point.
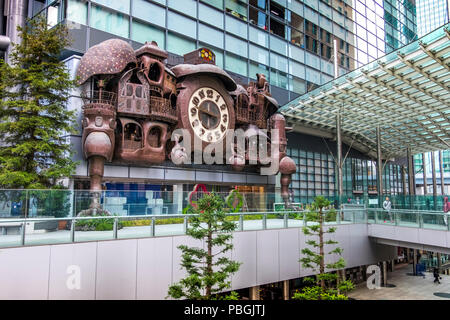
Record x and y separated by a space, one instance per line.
135 103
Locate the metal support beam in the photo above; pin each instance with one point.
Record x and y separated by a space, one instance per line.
433 175
424 167
339 157
404 180
379 164
441 171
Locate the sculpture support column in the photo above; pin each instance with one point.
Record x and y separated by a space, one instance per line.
96 171
285 182
287 168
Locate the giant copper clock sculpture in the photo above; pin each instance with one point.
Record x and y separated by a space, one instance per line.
133 103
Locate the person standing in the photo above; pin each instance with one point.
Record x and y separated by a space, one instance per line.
387 205
446 210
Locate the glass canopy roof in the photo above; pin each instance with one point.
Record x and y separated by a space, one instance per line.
406 93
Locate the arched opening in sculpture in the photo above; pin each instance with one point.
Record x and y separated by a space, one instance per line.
154 137
132 136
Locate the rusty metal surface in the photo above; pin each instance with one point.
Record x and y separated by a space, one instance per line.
287 166
107 58
151 48
183 70
148 147
131 114
98 120
160 109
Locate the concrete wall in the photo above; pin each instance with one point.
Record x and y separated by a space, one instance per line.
144 268
415 238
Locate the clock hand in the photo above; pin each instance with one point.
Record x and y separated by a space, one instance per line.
204 110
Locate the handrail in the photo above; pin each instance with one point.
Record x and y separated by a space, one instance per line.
264 224
140 217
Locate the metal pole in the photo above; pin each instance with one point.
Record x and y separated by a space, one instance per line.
115 228
22 235
285 222
185 225
424 167
72 230
241 222
411 171
152 228
339 157
404 180
433 173
379 164
441 170
264 222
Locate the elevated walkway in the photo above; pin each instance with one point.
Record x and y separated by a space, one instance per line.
140 262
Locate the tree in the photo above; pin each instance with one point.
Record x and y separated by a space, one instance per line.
326 286
34 120
207 270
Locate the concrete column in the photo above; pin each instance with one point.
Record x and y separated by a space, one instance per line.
254 293
379 164
286 290
178 197
414 261
385 272
424 167
441 170
407 255
340 183
393 265
439 260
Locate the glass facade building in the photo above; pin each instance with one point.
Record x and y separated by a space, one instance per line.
431 15
419 168
290 41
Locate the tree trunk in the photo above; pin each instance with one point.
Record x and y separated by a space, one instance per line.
209 260
321 247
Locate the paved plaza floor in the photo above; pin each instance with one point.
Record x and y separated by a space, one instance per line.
407 287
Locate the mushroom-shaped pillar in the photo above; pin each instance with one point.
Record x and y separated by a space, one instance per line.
101 63
287 168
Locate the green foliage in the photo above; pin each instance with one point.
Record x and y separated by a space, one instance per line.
231 199
208 271
106 224
317 293
55 203
232 296
34 120
326 286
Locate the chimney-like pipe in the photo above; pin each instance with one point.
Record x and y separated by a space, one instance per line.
16 12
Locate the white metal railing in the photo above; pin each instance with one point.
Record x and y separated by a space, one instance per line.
285 219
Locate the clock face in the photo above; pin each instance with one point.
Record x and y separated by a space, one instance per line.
208 115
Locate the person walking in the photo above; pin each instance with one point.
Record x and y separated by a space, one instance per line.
387 205
436 275
446 210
